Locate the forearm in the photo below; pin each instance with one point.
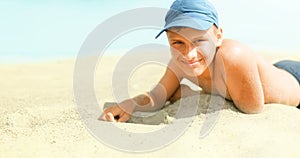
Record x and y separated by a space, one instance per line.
147 102
153 100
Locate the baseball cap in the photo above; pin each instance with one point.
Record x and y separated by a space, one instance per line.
196 14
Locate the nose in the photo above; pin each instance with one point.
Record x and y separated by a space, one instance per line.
190 52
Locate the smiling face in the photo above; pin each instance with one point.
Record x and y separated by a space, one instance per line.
193 50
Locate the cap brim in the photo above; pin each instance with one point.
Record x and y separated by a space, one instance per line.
189 22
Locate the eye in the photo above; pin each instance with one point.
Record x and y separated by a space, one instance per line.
177 42
199 40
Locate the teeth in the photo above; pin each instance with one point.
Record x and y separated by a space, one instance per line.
193 62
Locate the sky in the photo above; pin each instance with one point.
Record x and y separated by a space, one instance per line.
32 29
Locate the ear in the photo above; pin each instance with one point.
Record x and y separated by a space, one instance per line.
219 36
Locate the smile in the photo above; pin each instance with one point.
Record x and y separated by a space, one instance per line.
192 63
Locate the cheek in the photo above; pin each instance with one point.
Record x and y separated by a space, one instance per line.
208 51
174 52
206 48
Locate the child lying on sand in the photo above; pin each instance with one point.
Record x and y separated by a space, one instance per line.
219 66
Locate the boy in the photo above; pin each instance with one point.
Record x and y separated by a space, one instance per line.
221 66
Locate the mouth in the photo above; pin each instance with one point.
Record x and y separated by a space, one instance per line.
192 63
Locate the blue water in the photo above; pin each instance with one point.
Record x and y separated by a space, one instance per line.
33 30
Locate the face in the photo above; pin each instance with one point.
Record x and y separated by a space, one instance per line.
194 50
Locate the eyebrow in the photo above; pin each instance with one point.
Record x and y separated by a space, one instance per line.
201 37
176 38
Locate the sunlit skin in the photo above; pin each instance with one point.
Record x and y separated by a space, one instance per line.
221 66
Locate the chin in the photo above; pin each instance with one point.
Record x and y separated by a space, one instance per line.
197 72
194 71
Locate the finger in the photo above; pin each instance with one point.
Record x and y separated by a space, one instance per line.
110 117
102 117
124 117
106 110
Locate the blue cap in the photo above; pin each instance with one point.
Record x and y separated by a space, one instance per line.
196 14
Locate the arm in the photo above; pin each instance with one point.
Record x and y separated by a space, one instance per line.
243 79
161 93
151 101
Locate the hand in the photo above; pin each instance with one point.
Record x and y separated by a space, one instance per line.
118 113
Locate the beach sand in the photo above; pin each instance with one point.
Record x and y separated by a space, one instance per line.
39 118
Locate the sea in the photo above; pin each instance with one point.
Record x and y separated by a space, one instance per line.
34 30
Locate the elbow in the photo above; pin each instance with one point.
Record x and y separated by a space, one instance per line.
250 104
251 109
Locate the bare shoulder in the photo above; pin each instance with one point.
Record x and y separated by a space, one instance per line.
234 51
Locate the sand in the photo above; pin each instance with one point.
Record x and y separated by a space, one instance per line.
39 118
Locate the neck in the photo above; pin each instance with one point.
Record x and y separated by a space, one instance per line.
207 77
207 74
